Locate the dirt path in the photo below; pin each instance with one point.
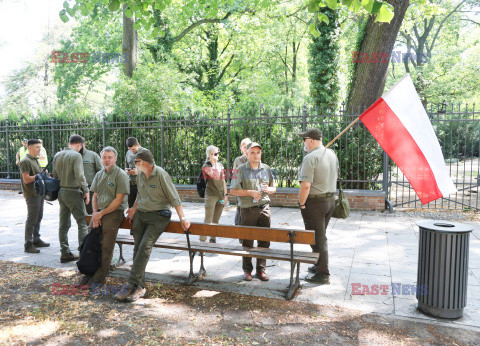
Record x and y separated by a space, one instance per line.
40 305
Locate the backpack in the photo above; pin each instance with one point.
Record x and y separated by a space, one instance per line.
45 186
91 252
202 182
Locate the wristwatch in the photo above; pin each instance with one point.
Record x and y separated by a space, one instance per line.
183 218
300 205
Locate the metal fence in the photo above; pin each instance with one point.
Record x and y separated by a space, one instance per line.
178 142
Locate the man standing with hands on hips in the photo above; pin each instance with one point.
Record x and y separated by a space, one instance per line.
318 183
151 216
253 184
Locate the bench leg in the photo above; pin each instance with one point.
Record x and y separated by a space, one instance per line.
191 276
202 271
292 289
121 260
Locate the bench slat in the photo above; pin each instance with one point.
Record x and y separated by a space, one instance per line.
227 249
236 232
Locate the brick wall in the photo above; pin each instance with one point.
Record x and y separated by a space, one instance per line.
359 199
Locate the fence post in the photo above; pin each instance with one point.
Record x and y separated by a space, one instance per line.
228 144
385 173
52 134
162 141
8 148
104 131
304 118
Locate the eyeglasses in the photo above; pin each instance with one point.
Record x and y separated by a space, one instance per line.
304 138
216 154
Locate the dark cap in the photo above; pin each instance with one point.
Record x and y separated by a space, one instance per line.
312 133
145 155
254 144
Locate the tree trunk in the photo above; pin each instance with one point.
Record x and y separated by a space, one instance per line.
369 76
129 45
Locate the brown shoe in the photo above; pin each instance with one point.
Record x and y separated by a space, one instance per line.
247 276
84 280
69 257
41 243
262 276
30 248
138 292
123 293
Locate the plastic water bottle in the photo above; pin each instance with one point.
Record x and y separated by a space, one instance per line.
259 190
221 202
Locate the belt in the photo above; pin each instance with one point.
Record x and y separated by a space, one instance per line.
69 188
257 206
322 195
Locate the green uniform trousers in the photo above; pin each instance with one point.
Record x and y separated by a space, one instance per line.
213 211
147 228
71 203
110 225
89 207
34 217
316 215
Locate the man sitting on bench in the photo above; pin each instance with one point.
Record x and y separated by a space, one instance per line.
252 184
151 216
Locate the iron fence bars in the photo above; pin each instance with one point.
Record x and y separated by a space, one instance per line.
178 141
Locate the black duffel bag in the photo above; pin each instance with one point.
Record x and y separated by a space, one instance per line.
91 252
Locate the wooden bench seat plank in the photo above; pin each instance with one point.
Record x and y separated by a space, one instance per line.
227 249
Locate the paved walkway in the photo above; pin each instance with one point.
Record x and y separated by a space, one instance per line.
369 248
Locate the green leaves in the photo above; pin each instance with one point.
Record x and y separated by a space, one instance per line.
313 30
63 16
386 13
114 5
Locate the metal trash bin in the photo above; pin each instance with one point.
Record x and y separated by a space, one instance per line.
442 268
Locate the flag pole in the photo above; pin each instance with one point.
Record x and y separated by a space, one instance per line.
344 130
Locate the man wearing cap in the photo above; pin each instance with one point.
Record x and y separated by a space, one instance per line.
110 189
133 146
68 168
29 167
318 183
253 184
151 216
91 165
22 152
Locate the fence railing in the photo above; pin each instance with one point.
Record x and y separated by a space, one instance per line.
178 142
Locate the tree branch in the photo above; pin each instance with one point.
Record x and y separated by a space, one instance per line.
443 22
224 69
200 22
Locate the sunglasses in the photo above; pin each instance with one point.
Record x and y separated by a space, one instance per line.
304 138
216 154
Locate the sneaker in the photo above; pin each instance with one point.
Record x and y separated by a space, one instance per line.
319 279
41 243
312 269
138 292
69 257
262 276
30 248
247 276
123 293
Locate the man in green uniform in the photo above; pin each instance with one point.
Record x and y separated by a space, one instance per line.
22 152
68 168
110 189
29 167
133 146
253 185
151 216
91 165
318 183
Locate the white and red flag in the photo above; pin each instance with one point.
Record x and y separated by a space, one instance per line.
401 126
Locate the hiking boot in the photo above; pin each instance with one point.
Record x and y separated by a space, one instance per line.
262 276
247 276
138 292
319 279
312 269
123 293
30 248
69 257
84 280
41 243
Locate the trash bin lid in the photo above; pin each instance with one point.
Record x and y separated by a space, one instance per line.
444 226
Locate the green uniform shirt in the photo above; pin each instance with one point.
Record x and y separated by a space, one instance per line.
68 168
239 161
31 166
108 184
130 163
157 192
320 167
91 165
215 182
251 179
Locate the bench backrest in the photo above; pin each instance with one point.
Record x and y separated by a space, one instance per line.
237 232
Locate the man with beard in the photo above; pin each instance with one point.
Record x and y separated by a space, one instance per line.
68 168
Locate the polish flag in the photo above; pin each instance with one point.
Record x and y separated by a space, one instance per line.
401 126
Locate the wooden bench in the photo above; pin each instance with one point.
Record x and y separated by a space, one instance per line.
234 232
